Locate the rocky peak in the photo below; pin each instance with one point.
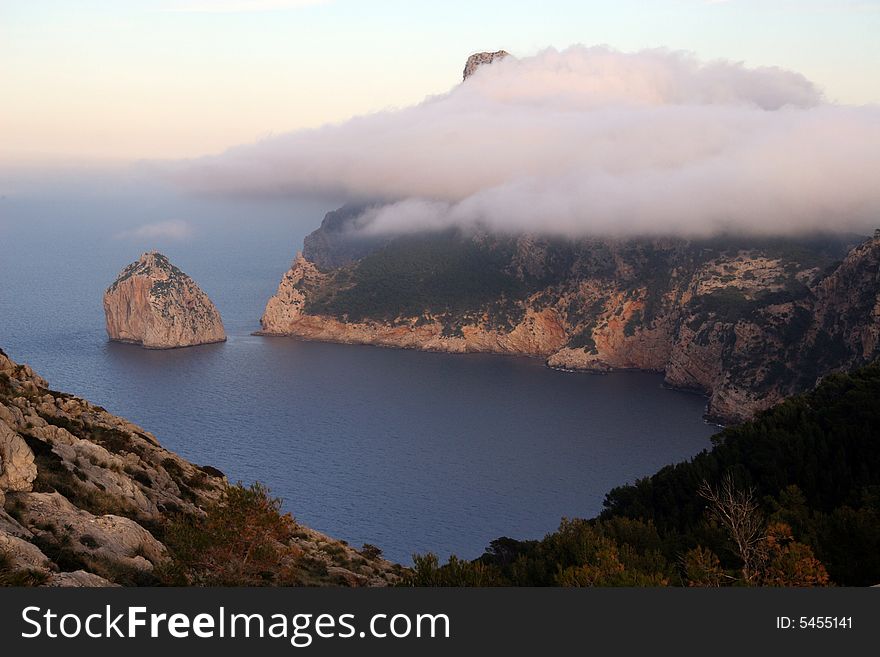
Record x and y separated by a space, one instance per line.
339 241
287 305
152 265
156 305
479 59
153 261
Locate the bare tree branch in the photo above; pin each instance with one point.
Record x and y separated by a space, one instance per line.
737 511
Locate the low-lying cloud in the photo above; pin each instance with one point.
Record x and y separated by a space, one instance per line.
161 230
587 141
239 6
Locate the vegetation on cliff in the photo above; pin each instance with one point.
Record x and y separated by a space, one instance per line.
791 498
244 539
746 320
441 275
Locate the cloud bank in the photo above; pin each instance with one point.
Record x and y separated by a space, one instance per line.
162 230
239 6
587 141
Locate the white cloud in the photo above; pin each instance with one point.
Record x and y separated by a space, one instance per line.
588 140
236 6
162 230
837 6
844 6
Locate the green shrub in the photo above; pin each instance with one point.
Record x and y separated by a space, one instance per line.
370 551
242 540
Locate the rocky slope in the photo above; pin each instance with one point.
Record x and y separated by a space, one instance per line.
86 498
154 304
745 321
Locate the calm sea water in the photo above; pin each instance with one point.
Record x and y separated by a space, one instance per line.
410 451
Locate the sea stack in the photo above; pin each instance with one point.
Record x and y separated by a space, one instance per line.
154 304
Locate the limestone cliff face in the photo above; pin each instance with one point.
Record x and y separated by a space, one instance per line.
479 59
85 496
540 332
848 303
154 304
286 307
745 321
78 482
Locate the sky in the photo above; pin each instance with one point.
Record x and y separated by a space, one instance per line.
584 141
84 81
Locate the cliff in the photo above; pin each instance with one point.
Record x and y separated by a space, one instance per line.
479 59
154 304
746 321
338 241
90 499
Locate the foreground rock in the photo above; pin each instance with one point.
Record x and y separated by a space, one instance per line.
86 498
154 304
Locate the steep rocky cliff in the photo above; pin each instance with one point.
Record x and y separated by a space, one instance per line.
154 304
338 241
87 499
746 321
477 60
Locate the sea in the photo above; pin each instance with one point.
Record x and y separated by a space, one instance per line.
409 451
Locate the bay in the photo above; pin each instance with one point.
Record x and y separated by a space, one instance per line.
409 451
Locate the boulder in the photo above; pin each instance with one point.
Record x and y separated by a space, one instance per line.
17 468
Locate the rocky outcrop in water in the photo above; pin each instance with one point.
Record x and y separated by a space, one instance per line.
154 304
86 499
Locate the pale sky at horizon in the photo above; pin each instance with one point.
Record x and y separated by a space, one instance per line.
87 80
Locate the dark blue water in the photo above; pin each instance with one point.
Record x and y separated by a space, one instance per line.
410 451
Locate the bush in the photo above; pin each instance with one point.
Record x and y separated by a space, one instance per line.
242 540
370 551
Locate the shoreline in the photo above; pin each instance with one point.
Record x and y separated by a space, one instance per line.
708 418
